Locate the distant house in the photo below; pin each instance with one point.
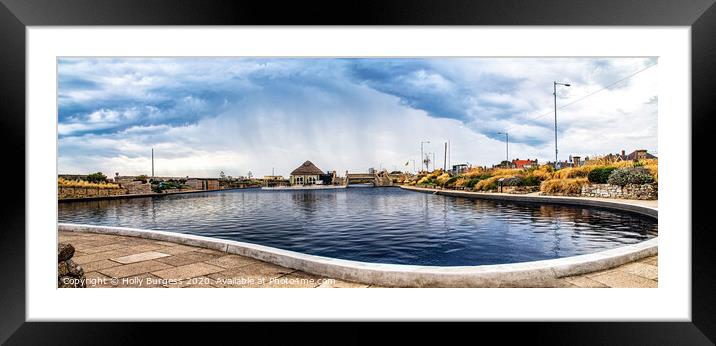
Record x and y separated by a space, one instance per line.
636 155
517 163
306 174
640 154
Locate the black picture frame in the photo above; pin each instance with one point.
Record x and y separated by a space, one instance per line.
16 15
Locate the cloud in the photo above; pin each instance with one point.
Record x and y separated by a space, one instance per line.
236 115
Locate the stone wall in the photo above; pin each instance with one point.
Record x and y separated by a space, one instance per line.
630 191
137 187
87 192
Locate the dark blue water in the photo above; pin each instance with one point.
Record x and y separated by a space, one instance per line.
385 225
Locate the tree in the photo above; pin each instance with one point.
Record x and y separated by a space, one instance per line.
96 178
222 175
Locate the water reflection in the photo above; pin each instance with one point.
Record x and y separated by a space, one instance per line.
385 225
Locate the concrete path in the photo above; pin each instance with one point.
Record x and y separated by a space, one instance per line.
120 261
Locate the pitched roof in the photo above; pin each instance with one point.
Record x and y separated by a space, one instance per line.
635 155
307 168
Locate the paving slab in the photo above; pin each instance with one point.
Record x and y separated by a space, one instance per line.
187 271
232 261
134 269
641 269
585 282
97 265
140 257
104 255
620 279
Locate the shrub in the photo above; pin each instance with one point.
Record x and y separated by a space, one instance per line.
600 175
474 180
451 182
567 186
543 172
143 178
630 175
487 184
531 180
442 179
473 172
96 178
573 172
512 181
506 171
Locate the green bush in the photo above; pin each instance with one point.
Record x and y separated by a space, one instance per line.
474 181
96 178
630 175
531 181
512 181
600 175
451 182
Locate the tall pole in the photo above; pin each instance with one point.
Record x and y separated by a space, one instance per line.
555 124
152 162
555 120
507 146
445 158
433 161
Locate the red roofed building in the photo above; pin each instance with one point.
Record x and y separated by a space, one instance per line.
517 163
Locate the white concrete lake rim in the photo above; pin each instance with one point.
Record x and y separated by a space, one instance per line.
525 274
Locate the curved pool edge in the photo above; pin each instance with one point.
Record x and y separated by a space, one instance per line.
524 274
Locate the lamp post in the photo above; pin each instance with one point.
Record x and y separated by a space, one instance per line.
422 158
555 120
507 145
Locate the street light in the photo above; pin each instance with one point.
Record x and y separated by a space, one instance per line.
422 158
507 144
555 120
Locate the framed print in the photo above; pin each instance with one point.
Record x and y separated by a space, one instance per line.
457 161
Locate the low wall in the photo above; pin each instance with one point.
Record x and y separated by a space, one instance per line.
519 189
630 191
87 192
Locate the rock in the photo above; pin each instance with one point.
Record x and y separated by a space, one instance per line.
69 273
65 251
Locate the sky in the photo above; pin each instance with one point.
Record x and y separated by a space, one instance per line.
268 115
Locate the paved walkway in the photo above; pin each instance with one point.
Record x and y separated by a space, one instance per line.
119 261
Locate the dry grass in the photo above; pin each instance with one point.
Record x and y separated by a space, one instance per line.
567 186
473 172
442 178
502 172
573 172
542 173
484 184
81 183
653 166
462 181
